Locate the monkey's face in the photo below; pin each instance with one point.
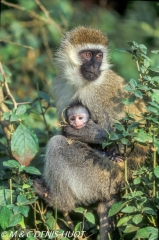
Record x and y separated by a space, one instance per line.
78 121
91 62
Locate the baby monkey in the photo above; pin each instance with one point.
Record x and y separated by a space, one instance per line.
77 116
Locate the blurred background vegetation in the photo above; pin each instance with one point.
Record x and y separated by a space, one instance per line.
30 33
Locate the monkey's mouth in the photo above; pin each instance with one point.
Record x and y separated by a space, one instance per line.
89 75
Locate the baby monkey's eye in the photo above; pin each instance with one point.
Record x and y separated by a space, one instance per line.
80 118
87 55
72 119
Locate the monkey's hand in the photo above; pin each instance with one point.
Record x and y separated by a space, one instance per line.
91 133
115 157
113 154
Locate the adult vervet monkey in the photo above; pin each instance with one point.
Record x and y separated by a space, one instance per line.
71 174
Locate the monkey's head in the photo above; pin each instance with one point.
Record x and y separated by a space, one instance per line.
82 57
77 115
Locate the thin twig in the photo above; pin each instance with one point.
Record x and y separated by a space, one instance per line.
42 112
7 88
18 44
22 103
33 14
46 44
44 10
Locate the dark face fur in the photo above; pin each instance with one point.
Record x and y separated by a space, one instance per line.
92 60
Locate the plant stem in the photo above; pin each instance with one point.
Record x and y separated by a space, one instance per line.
138 68
126 174
34 210
109 237
154 165
10 184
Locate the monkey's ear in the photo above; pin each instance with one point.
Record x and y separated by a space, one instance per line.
63 115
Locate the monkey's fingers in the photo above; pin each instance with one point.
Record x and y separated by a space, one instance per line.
116 158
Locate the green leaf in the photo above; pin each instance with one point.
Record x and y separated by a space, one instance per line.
138 93
21 209
124 221
14 220
25 186
22 200
129 88
128 209
6 70
78 227
6 115
14 117
155 51
130 43
115 136
133 126
149 211
124 141
133 195
156 171
137 181
90 217
131 228
5 197
5 215
29 5
44 96
105 143
50 222
133 83
129 101
144 232
144 56
154 235
115 208
152 109
143 137
11 164
79 210
137 218
143 87
146 63
24 145
154 69
123 50
32 170
119 126
155 79
21 109
143 48
156 105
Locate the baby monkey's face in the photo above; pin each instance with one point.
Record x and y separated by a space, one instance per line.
78 121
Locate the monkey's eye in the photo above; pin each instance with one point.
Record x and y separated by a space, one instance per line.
87 55
99 57
72 118
80 118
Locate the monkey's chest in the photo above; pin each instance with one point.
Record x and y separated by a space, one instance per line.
104 110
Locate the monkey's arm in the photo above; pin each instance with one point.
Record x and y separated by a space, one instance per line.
91 133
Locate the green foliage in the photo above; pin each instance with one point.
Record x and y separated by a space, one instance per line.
139 206
30 34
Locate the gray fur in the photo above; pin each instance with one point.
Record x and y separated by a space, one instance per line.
73 173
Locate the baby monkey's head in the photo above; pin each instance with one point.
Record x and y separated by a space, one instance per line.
77 115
